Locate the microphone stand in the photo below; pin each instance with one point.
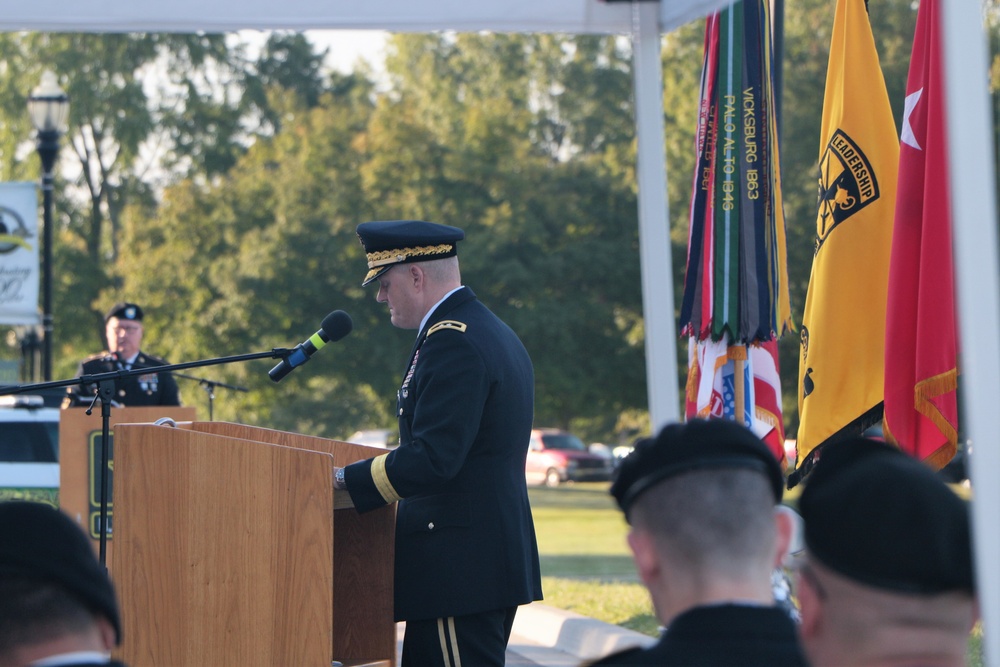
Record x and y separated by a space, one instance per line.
106 383
210 386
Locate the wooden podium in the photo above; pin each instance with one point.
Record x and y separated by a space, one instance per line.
80 462
229 551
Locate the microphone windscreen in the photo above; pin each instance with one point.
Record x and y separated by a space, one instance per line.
337 324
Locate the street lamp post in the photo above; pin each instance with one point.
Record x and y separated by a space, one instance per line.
48 107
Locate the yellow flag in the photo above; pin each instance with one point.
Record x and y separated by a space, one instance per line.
843 325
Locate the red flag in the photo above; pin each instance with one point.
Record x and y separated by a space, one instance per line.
921 337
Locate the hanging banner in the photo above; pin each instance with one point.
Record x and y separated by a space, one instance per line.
19 244
842 340
735 303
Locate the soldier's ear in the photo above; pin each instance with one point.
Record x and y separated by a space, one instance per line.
810 607
647 564
788 530
415 274
106 632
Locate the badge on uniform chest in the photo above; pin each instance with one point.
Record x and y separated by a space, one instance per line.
404 391
148 382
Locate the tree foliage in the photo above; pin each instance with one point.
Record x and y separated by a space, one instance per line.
220 186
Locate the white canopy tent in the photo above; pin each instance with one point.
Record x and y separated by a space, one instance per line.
972 180
571 16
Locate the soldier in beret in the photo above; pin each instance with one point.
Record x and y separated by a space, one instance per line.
466 555
57 604
888 574
123 330
706 533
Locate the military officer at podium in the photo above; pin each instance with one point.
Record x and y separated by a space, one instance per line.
466 554
123 330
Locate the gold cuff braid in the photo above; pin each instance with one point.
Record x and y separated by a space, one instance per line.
381 480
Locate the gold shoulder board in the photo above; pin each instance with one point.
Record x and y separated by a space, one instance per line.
448 324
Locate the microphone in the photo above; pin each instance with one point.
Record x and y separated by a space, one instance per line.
335 326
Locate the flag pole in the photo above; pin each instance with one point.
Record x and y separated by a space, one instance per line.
738 353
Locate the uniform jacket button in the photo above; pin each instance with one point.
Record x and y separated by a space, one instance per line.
430 526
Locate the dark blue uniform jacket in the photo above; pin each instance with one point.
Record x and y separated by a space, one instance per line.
465 541
144 389
722 635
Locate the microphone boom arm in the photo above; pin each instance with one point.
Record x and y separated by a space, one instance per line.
105 391
95 378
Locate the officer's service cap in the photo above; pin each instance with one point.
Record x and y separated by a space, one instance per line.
884 519
124 311
698 444
389 242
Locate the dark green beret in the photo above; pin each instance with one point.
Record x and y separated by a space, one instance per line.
389 242
124 311
697 444
43 544
882 518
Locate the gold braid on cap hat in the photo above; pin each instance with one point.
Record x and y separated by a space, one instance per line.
383 257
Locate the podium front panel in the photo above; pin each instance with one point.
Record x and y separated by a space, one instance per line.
80 458
233 530
224 550
364 549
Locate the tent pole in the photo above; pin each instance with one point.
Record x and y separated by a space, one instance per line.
974 223
654 222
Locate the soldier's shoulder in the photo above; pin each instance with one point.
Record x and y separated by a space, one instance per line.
150 360
97 357
448 325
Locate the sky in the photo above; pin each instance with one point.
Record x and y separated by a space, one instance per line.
346 46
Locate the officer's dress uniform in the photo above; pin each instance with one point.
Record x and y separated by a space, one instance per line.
144 389
723 635
465 541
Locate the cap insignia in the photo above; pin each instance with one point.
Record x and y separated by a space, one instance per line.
383 257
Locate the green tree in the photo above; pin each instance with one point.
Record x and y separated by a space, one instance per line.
115 122
549 223
251 261
226 199
512 149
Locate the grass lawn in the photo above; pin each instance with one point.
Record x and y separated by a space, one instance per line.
587 566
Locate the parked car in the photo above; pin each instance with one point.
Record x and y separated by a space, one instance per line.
555 456
29 449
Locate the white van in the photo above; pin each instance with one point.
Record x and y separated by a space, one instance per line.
29 450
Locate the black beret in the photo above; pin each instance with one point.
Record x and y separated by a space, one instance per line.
41 543
884 519
124 311
697 444
389 242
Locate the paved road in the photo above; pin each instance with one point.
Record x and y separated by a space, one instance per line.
520 653
548 637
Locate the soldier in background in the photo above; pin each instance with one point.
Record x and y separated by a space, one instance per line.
57 604
123 330
702 500
888 575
